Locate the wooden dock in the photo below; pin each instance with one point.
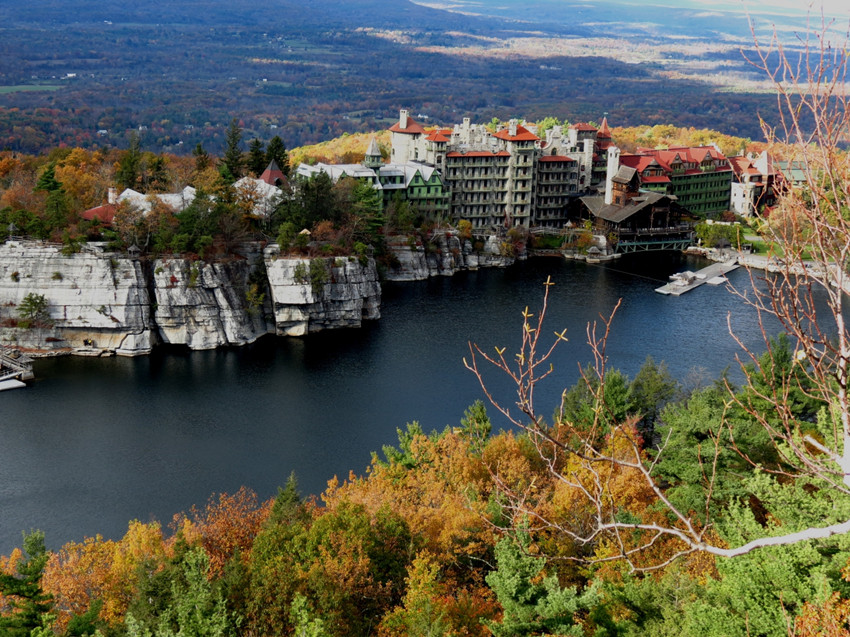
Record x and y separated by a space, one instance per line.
14 364
714 274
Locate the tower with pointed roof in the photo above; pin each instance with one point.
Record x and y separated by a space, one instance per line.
373 157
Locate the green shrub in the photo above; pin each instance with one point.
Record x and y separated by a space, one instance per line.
301 273
57 276
318 275
15 276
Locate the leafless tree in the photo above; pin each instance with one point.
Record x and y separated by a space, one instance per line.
805 292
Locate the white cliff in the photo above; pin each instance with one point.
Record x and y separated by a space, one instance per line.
207 305
349 294
91 297
444 255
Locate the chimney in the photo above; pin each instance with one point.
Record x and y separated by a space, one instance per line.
402 118
512 128
112 196
613 167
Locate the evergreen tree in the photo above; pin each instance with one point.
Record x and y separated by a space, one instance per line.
129 166
23 591
276 151
202 158
232 155
256 157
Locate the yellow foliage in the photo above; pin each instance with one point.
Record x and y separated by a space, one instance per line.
348 149
82 572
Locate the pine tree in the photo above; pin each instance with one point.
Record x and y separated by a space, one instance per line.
129 166
276 152
23 591
232 154
256 157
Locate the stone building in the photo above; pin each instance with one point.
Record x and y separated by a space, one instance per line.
509 176
754 184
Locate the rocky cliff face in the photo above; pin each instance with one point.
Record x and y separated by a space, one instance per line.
90 296
207 305
445 255
307 301
109 303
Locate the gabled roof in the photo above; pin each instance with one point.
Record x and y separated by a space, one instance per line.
624 175
583 127
617 214
413 127
522 135
437 136
273 175
105 213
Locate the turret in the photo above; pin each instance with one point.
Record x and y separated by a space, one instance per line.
613 167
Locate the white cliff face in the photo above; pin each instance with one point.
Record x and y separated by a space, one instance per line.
109 303
207 305
91 295
350 294
446 255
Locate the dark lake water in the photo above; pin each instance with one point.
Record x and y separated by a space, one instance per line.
94 443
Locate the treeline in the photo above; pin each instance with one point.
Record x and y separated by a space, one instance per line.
44 197
427 541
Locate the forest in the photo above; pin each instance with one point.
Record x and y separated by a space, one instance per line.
177 77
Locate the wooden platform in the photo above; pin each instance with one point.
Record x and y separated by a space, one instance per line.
713 274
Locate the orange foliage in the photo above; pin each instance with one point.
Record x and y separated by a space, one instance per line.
442 500
82 572
229 523
828 619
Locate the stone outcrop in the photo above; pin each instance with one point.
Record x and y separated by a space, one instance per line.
107 303
350 293
207 305
91 296
444 255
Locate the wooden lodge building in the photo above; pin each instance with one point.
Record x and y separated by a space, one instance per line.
636 220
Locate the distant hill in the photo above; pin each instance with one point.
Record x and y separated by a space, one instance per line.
86 72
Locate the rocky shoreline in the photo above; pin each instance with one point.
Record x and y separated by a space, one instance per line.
103 303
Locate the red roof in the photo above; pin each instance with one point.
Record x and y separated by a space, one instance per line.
105 213
665 158
413 127
655 179
273 175
548 158
522 135
604 131
583 127
437 136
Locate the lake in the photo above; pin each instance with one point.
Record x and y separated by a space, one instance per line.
93 443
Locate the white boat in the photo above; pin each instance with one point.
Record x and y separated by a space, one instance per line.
12 383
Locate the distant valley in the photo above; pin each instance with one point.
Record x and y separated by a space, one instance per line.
87 73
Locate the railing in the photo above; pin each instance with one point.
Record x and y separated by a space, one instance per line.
12 359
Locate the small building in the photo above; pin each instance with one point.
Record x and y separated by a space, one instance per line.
753 184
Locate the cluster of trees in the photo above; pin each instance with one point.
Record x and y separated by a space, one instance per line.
432 540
